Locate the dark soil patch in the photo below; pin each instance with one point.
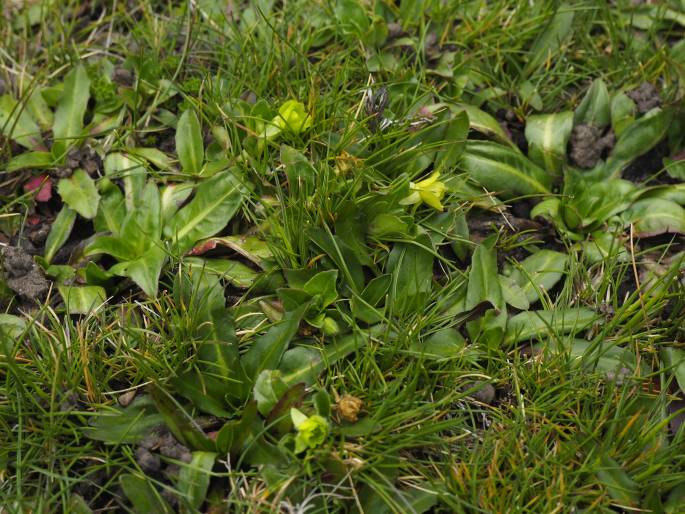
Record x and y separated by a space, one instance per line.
588 145
23 275
646 97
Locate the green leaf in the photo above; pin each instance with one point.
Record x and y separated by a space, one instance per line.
637 139
189 145
59 232
266 352
145 270
143 495
512 293
194 478
16 123
411 266
539 324
540 272
654 216
133 175
547 136
204 391
268 390
550 39
11 326
152 155
235 272
503 170
622 113
77 505
621 487
125 424
323 285
71 108
35 160
446 343
172 197
341 254
112 208
214 204
82 299
481 121
675 358
180 423
595 108
483 283
79 193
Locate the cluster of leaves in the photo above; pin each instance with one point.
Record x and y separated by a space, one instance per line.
335 235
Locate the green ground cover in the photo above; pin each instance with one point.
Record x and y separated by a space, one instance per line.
342 256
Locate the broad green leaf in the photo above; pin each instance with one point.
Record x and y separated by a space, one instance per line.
11 326
251 247
446 343
481 121
268 390
547 136
145 270
82 299
125 424
503 170
204 391
654 216
16 123
37 160
266 352
133 175
620 485
540 272
194 478
604 358
324 285
675 358
637 139
59 232
595 108
77 505
71 108
550 39
40 110
180 423
411 267
172 197
189 146
79 193
341 254
234 272
483 283
143 495
512 293
301 364
112 208
540 324
152 155
622 113
214 204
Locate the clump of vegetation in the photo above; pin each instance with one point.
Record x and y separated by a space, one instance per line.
342 256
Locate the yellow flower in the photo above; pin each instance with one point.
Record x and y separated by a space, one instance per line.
311 430
291 116
429 191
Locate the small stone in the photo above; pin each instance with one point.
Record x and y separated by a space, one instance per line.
147 460
484 394
126 398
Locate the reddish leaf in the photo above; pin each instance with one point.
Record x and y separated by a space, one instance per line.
203 247
43 184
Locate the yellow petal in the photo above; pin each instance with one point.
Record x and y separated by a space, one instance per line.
413 198
431 199
423 184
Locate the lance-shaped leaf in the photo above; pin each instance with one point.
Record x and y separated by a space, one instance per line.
83 299
189 145
143 495
654 216
550 39
193 480
539 272
71 108
59 232
17 124
266 352
540 324
214 204
595 108
547 136
503 170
